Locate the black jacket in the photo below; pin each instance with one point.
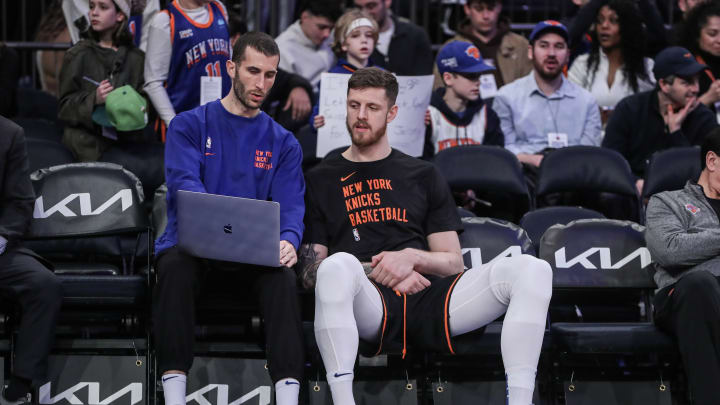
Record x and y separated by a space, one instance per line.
636 129
409 54
16 192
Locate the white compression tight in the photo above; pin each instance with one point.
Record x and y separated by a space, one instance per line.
348 307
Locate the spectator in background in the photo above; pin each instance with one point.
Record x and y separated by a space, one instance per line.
499 47
356 34
402 47
188 47
91 70
9 75
664 117
543 110
649 16
458 115
305 45
683 236
76 12
23 275
701 35
615 67
290 99
53 29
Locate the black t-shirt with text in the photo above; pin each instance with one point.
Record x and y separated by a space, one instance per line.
364 208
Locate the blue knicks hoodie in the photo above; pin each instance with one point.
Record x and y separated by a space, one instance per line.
211 150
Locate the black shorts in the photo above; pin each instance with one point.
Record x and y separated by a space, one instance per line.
415 322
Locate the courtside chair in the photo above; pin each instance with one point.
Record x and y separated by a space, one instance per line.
536 222
589 176
493 173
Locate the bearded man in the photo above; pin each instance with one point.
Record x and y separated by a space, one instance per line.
543 110
382 251
230 147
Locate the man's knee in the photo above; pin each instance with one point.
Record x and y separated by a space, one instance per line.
336 277
529 272
177 269
46 286
697 288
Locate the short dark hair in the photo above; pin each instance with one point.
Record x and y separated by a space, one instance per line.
373 77
256 40
711 143
330 9
236 23
489 3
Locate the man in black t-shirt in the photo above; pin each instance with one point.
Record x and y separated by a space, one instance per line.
381 248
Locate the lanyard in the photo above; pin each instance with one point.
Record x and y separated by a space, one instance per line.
707 71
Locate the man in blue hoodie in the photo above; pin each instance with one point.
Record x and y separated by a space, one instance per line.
214 149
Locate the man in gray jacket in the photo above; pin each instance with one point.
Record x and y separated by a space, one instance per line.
683 236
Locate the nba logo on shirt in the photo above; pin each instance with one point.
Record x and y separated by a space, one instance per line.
356 235
208 144
693 209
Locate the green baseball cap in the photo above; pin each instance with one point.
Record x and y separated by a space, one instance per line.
125 110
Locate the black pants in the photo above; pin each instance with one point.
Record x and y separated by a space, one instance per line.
690 311
174 315
25 280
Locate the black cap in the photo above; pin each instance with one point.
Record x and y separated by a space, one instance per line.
676 61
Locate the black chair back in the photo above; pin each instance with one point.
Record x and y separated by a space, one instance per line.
43 153
538 221
493 173
589 176
670 169
486 239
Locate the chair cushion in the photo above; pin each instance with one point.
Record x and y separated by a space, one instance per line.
643 337
103 290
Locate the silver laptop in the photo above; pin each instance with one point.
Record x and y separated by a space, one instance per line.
232 229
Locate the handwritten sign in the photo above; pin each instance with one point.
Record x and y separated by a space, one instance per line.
407 131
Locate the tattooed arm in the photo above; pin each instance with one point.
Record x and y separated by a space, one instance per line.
309 258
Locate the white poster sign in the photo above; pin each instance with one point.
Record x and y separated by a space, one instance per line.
406 132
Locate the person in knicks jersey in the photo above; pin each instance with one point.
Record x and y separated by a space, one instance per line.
230 147
188 47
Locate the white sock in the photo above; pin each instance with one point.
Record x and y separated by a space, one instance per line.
287 391
174 388
341 383
520 396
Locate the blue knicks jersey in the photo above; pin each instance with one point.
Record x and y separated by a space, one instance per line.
197 50
135 27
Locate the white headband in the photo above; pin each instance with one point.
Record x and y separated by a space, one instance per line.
360 22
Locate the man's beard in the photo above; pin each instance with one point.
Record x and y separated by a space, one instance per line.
546 75
242 96
367 139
